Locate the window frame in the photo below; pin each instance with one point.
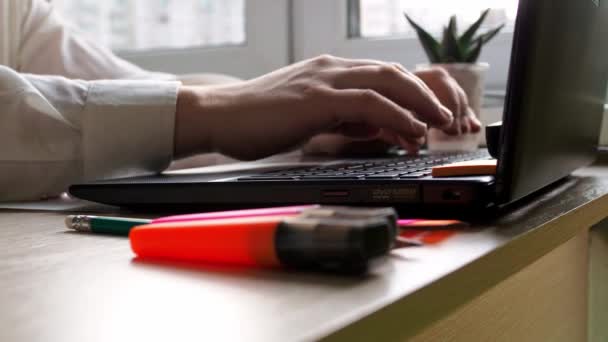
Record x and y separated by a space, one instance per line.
266 47
331 33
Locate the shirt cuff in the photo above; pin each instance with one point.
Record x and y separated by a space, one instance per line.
128 128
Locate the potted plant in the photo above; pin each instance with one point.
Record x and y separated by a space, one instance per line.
458 54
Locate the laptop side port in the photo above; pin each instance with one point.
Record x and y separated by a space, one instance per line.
451 195
448 194
336 193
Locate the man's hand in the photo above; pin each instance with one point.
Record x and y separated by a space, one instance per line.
452 95
443 86
284 109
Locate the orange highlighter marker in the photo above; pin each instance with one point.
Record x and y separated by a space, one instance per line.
466 168
294 242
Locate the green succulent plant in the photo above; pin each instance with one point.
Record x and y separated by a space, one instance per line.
455 48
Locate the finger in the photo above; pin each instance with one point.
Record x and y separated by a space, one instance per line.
353 63
389 137
423 84
464 109
370 62
401 88
450 93
464 100
337 144
461 98
465 115
359 131
396 140
464 125
474 121
454 129
441 84
432 75
461 125
450 98
325 144
411 148
369 107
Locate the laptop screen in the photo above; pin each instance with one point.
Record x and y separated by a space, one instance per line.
556 93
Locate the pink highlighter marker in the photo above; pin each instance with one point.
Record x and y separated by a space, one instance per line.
408 222
436 224
280 211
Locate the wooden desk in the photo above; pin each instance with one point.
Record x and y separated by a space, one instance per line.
523 277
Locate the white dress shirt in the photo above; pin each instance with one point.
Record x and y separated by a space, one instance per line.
65 116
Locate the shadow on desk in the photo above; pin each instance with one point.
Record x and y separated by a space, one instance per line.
545 205
193 270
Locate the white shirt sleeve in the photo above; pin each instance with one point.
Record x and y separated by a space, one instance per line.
55 131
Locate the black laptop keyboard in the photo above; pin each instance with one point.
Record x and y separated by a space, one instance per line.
394 168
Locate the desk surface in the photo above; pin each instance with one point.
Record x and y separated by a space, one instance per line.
62 286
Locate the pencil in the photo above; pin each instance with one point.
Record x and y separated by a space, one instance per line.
103 225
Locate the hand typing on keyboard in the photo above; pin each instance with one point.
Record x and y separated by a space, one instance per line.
350 99
447 91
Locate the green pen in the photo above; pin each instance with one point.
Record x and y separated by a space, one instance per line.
103 225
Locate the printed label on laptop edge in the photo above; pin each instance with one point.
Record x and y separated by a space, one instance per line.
395 194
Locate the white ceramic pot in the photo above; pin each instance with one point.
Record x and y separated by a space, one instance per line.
471 77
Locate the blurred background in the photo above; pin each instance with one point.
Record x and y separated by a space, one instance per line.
151 24
247 38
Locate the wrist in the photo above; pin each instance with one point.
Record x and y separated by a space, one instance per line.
191 136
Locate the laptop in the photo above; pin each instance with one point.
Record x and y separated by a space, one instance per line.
551 125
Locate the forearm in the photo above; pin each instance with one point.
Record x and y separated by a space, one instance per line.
206 79
190 136
205 115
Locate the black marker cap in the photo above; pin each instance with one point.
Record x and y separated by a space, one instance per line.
332 244
355 213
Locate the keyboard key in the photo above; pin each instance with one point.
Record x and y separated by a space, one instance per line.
407 167
413 175
343 177
362 174
267 178
384 175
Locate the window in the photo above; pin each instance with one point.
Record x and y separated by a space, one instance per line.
377 29
128 25
238 37
250 37
382 18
